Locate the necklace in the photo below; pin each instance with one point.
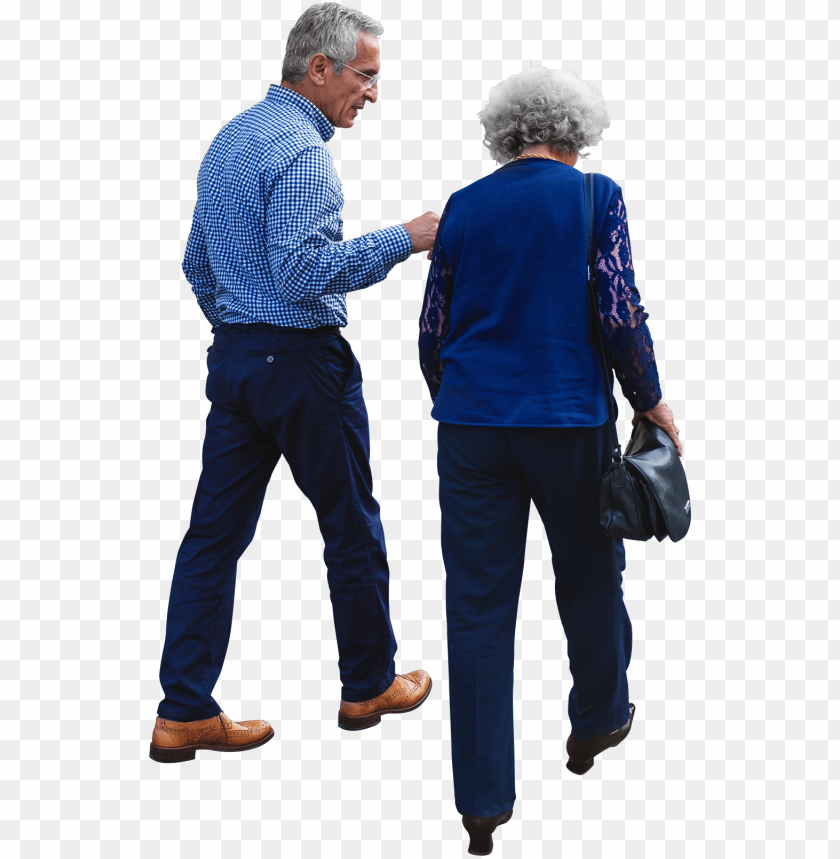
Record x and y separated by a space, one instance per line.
534 156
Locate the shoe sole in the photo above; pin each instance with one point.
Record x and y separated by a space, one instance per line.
187 753
360 723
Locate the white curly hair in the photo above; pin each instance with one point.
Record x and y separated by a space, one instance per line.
541 105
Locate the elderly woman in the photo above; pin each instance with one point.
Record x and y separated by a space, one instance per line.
518 391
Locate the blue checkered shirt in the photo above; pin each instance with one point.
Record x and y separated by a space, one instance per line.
266 239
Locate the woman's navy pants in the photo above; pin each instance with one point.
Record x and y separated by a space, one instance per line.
296 393
488 477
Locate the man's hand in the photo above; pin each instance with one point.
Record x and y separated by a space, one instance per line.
423 231
662 416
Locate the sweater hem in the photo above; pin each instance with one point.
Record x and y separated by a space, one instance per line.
555 425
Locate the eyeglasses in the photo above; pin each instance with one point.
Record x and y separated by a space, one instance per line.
372 80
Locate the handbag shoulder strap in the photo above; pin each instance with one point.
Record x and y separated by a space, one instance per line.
588 195
596 333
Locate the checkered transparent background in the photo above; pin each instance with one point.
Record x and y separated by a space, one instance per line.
720 138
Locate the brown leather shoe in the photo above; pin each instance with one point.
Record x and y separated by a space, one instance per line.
406 693
582 752
173 742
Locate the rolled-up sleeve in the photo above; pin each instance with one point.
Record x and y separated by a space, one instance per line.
305 261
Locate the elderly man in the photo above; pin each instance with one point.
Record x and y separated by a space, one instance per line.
269 269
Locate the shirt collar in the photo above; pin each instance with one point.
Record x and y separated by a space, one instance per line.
284 95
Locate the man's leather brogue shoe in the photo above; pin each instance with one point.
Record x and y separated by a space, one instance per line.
406 693
583 752
174 742
481 831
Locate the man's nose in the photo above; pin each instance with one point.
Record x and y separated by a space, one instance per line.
372 94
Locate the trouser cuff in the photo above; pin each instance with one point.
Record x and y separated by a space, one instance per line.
356 696
188 714
487 811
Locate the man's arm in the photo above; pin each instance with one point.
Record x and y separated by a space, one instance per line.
198 272
302 266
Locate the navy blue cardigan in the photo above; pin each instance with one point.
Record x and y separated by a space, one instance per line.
503 334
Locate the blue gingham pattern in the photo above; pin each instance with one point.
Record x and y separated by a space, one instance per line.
266 239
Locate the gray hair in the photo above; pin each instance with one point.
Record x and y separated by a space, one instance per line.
541 105
325 28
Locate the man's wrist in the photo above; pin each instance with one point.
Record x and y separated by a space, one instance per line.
393 245
408 248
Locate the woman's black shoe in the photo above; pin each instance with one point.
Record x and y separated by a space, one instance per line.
583 752
481 831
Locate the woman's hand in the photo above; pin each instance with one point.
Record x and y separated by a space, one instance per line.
662 416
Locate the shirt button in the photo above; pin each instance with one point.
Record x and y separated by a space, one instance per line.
270 358
223 307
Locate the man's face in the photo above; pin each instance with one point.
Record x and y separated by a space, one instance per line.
345 96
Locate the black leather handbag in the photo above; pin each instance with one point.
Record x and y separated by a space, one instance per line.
644 493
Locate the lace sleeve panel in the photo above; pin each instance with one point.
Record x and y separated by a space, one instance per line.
434 319
622 315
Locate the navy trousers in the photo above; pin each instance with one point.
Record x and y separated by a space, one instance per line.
488 477
296 393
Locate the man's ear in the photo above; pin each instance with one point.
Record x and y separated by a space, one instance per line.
317 69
